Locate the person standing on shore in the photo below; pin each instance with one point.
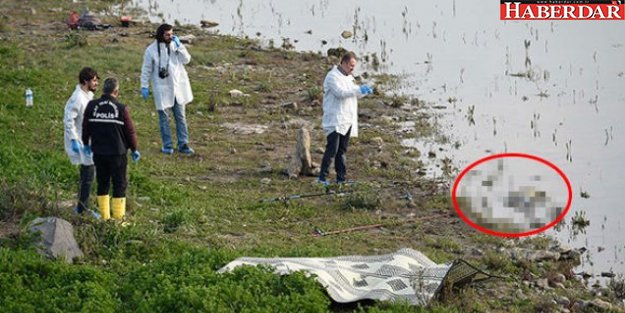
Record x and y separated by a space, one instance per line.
340 116
163 63
108 133
72 123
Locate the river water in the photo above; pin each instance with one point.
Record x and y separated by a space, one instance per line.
555 90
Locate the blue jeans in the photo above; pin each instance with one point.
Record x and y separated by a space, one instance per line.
335 149
182 132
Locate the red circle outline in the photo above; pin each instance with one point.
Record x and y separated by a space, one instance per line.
502 234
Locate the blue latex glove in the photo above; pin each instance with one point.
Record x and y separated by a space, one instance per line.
145 92
75 146
87 150
365 90
176 40
136 155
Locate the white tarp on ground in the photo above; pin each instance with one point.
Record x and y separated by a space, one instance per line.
406 275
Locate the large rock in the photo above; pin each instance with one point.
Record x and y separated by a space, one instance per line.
301 162
56 238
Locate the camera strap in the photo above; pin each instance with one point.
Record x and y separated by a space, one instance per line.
158 48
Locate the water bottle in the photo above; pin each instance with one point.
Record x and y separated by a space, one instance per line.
29 97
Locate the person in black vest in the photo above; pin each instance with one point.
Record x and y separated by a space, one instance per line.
108 132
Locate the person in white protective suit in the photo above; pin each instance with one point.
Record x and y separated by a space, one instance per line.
340 116
163 64
72 124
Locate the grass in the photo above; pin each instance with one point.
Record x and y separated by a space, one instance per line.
189 216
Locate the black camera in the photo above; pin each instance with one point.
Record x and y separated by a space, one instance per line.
163 73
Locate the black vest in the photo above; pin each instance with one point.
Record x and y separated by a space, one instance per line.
106 122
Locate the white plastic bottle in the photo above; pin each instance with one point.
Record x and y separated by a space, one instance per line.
29 97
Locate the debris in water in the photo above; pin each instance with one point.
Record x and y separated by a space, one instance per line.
347 34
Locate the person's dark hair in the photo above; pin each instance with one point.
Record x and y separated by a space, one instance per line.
110 85
160 32
86 74
348 57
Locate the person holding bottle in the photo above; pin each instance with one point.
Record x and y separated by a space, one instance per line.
108 133
163 64
72 123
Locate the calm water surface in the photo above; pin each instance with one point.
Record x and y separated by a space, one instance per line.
552 89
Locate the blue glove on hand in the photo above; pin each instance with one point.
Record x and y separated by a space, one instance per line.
145 92
365 90
136 155
176 41
87 150
75 146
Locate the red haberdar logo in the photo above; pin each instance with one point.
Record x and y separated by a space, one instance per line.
562 10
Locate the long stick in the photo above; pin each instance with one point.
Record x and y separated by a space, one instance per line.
320 233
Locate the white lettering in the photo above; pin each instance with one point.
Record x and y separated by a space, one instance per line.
528 11
599 12
107 115
568 12
555 11
613 12
516 9
581 12
543 11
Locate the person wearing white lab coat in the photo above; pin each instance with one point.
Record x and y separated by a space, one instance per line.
340 116
72 124
163 64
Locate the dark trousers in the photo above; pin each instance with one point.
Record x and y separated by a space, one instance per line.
86 180
111 167
335 149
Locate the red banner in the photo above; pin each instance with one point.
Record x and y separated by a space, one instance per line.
562 11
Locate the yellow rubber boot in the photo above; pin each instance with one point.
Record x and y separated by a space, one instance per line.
104 206
119 208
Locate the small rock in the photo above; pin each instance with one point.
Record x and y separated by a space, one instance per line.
187 39
559 285
265 167
66 204
600 304
543 283
563 301
544 256
519 294
578 306
477 252
208 24
347 34
377 140
265 181
233 150
234 93
290 105
559 278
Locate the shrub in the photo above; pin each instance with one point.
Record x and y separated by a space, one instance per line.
314 93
